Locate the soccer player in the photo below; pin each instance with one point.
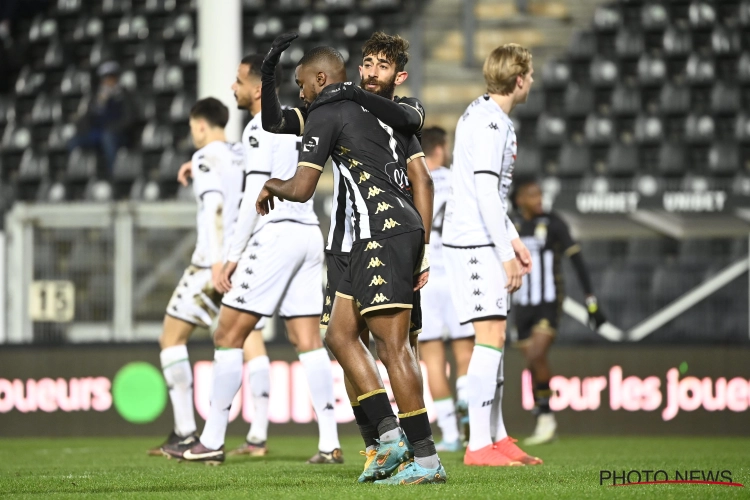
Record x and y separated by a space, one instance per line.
216 173
386 262
484 256
274 263
384 59
437 308
539 301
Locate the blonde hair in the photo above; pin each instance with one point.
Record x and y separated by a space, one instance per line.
503 65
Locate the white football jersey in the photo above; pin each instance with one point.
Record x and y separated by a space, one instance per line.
217 167
275 155
485 143
441 178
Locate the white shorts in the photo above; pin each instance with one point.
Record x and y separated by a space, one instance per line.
438 313
194 300
281 269
477 283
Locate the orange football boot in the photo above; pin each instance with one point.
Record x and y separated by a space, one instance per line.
507 447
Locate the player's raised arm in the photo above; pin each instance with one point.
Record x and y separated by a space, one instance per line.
274 118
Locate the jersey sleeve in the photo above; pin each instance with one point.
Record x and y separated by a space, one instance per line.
413 149
489 140
562 233
205 172
322 131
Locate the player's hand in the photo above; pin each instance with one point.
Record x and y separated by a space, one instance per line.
420 280
279 45
523 255
225 279
264 204
514 274
336 92
185 173
596 316
216 276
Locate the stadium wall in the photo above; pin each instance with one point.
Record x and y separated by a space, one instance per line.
119 390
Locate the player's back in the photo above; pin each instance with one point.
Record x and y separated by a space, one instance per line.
485 144
277 156
217 167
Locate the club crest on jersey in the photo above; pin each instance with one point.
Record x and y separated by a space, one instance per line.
203 167
540 233
310 144
253 141
372 245
373 191
379 299
375 262
363 176
390 224
382 207
377 281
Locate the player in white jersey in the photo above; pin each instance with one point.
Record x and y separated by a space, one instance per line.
438 313
484 256
274 263
217 175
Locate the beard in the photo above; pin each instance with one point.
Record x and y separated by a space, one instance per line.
384 89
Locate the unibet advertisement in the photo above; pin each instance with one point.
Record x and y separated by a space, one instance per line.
120 390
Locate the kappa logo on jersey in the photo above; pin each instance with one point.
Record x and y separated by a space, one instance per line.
390 224
373 191
203 167
377 281
382 207
477 292
254 126
245 286
478 308
344 150
363 176
252 256
328 300
375 262
379 299
475 277
493 126
372 245
240 300
310 145
473 260
326 318
253 141
248 270
353 163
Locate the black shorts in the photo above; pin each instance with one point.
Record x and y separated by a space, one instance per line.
336 265
544 317
380 275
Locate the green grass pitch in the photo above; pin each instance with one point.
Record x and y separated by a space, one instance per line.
119 468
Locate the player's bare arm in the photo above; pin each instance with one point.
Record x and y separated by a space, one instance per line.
423 190
299 188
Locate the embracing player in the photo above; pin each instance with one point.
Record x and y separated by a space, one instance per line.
274 263
386 262
217 175
538 303
484 256
438 312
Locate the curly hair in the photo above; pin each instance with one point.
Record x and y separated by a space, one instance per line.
393 47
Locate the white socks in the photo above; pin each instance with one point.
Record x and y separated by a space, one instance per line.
317 367
179 376
498 429
259 376
227 378
461 387
446 419
481 378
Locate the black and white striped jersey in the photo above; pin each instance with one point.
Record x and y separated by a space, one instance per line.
372 196
548 239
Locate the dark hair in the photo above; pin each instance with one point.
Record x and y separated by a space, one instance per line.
431 138
255 61
211 110
520 182
323 54
393 47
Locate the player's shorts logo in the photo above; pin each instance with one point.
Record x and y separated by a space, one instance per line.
372 245
377 280
310 145
382 207
475 277
390 224
375 262
326 318
328 300
373 191
478 292
379 299
363 176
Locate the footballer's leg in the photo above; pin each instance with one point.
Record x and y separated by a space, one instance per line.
229 338
462 349
258 372
433 353
536 353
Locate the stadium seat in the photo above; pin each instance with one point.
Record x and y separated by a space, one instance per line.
156 136
33 172
672 160
607 18
579 100
75 82
149 54
267 27
744 13
169 165
69 7
629 44
80 171
603 72
293 6
43 29
582 46
100 53
626 101
742 128
649 129
29 82
700 71
253 5
528 161
160 6
623 160
55 56
702 14
534 106
575 160
189 50
133 27
677 42
128 169
168 78
16 137
550 130
555 74
47 108
358 26
652 71
112 8
313 25
88 29
699 129
725 99
725 41
674 99
654 16
599 129
724 158
178 27
179 110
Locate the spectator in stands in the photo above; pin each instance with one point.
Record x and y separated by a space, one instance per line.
108 117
